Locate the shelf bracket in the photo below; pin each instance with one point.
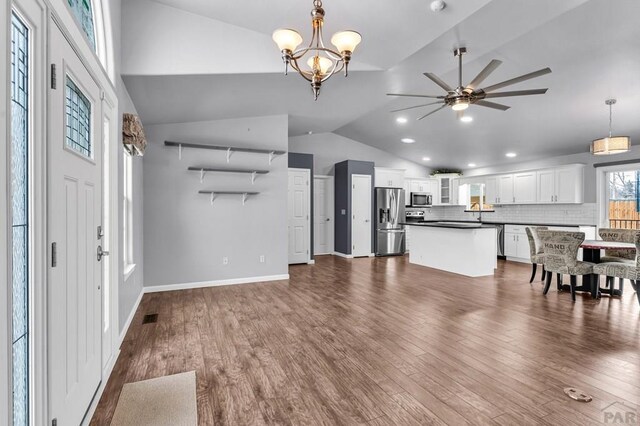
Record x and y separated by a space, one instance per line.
253 177
272 154
228 154
179 151
201 175
213 197
244 198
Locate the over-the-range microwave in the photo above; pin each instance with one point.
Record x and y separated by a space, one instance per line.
421 199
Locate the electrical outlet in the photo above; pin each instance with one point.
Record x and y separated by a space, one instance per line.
262 258
225 260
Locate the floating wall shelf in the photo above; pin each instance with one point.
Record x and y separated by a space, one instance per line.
214 194
271 152
203 170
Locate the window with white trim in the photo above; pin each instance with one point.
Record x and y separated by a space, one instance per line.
127 206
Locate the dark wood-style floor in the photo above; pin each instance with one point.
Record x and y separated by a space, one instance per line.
380 341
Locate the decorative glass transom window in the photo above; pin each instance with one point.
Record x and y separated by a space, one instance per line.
83 13
78 112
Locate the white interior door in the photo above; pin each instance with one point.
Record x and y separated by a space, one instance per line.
74 214
361 215
323 215
299 202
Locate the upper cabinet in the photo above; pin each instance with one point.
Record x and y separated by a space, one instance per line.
448 185
427 185
563 185
389 178
524 188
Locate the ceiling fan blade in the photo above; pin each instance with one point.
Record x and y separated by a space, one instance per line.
415 96
417 106
492 105
437 80
516 93
518 79
434 111
484 74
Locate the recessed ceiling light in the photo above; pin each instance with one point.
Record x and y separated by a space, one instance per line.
401 120
466 119
471 164
426 159
309 132
407 140
437 5
511 154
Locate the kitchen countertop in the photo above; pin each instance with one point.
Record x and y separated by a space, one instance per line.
496 222
450 224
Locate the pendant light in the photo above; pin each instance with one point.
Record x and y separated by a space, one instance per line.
611 144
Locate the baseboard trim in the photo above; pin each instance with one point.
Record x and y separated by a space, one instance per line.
127 324
346 256
311 262
518 259
203 284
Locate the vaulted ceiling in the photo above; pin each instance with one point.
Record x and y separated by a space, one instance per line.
192 60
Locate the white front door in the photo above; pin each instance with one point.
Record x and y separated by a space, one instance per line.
322 215
74 214
361 215
299 203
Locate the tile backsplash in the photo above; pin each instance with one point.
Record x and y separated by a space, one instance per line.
565 214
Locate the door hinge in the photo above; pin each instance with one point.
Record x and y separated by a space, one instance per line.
54 255
54 84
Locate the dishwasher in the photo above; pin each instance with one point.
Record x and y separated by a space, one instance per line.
500 235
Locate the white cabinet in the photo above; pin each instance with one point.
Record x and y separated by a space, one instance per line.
516 243
560 185
546 186
569 185
447 189
499 189
524 188
389 178
505 189
430 186
491 190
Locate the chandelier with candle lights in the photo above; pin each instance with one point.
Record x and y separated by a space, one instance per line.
322 61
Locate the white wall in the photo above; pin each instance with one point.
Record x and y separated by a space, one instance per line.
128 290
185 237
329 148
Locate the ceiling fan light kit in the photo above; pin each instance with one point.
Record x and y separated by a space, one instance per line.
610 145
460 97
323 62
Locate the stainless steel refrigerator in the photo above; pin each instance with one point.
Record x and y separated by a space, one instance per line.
390 235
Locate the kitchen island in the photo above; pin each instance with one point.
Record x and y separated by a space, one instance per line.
459 247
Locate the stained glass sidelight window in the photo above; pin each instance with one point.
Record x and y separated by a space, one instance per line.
83 13
78 119
20 218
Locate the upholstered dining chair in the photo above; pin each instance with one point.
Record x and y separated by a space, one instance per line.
622 256
560 249
624 270
535 250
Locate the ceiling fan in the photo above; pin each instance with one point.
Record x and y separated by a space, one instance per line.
461 97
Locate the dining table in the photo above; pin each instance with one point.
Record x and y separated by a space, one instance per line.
591 250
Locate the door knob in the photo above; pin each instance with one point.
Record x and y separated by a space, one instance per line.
101 253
